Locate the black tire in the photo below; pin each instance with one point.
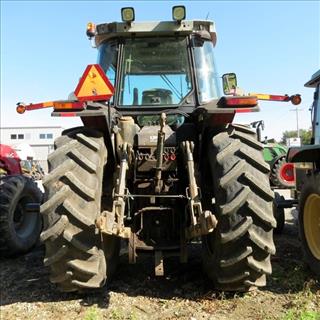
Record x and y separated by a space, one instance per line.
275 176
311 188
236 255
278 213
74 250
19 229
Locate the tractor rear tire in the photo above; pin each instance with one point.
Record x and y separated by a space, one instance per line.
309 222
236 255
19 229
77 256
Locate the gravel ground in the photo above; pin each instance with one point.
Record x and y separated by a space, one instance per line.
184 292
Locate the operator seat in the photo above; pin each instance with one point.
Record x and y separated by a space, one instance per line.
157 96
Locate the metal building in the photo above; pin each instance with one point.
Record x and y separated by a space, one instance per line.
41 139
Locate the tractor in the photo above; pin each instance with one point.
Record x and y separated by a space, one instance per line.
307 165
158 162
20 220
281 172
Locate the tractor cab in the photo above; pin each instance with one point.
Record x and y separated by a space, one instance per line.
309 153
314 82
159 65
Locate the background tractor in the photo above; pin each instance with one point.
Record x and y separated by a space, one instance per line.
307 161
20 220
157 162
281 172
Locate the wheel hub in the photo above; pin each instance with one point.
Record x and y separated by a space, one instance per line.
311 221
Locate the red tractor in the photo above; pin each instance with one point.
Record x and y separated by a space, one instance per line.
20 221
158 161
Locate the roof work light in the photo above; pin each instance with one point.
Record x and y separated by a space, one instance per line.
127 14
178 13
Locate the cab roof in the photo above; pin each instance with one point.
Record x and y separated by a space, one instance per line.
107 31
315 79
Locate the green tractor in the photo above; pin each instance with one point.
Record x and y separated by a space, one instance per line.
157 162
281 172
307 161
281 175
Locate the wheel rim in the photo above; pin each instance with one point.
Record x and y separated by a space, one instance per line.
311 221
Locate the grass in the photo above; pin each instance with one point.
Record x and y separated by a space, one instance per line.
92 314
303 306
302 315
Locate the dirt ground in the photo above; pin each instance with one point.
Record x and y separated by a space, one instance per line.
184 292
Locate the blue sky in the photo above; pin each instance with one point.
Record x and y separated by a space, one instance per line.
273 46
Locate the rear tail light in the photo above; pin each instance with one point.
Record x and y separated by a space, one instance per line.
67 105
243 110
238 102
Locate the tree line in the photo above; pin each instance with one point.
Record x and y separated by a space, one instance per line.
305 135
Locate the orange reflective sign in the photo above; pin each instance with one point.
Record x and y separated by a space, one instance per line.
94 85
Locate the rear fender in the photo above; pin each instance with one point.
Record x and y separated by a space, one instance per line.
309 153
